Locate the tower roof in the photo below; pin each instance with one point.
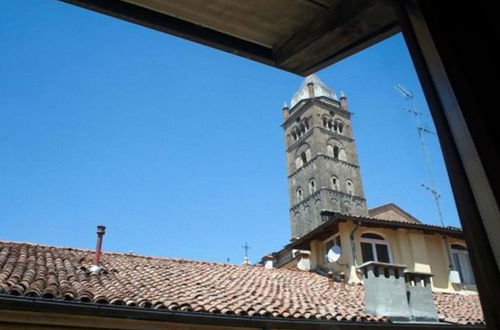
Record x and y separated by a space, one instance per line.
319 87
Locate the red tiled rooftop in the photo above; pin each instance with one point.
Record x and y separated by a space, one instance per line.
194 286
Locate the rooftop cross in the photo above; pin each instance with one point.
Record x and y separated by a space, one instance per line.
246 248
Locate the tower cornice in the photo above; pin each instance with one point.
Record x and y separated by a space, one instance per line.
345 196
310 163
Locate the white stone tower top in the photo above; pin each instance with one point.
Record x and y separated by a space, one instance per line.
318 88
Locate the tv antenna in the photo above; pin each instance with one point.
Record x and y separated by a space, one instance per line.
412 109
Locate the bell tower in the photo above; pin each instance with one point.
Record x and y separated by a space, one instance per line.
323 169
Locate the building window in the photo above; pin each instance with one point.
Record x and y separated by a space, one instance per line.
335 183
306 124
312 186
375 248
303 156
349 187
296 133
461 263
335 152
333 249
299 195
339 125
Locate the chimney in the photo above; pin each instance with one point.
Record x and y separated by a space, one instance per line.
286 111
310 88
385 290
95 268
329 275
268 261
343 101
400 295
303 259
420 298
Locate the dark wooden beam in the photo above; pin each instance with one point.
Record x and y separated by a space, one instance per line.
178 27
452 73
343 30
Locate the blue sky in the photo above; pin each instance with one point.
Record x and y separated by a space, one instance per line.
176 147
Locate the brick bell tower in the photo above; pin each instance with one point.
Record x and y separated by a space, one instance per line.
323 169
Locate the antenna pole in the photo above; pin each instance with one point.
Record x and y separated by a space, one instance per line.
421 130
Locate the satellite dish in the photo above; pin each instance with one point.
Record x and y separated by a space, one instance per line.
334 253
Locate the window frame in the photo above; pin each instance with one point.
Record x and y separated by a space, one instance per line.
336 185
463 268
349 187
373 242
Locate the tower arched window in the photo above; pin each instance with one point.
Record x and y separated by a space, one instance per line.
338 126
306 124
325 122
335 152
375 248
300 196
330 124
298 132
303 156
302 128
341 127
294 136
312 186
335 183
349 187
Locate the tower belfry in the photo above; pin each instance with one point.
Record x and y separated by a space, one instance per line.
323 169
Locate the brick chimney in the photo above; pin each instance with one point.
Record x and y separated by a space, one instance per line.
343 101
286 111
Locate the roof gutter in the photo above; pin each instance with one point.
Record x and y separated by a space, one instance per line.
29 304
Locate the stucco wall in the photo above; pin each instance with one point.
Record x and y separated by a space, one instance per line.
419 251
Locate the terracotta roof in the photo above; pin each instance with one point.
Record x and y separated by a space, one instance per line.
459 308
49 272
392 222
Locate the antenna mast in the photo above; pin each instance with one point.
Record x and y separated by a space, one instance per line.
412 109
